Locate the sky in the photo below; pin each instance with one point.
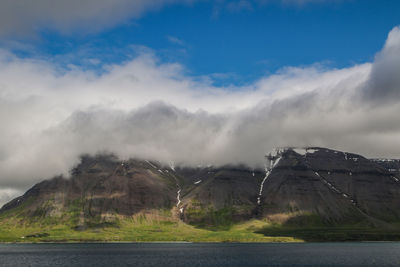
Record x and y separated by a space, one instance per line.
193 82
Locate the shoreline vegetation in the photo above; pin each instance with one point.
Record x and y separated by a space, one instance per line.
133 232
150 228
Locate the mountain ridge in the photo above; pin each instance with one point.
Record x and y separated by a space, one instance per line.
298 187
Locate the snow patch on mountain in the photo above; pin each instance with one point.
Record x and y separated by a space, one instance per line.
273 159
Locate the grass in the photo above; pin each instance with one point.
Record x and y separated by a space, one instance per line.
161 226
146 227
310 228
210 218
330 234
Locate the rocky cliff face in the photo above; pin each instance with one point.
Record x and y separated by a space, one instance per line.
392 165
334 187
339 187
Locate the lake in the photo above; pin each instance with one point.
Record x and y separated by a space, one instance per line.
188 254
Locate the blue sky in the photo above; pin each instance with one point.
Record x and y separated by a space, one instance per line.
242 43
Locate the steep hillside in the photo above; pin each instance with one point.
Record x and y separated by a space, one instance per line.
336 186
100 188
298 187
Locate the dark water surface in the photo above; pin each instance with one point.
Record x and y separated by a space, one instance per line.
182 254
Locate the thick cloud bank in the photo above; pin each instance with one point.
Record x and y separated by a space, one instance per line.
143 108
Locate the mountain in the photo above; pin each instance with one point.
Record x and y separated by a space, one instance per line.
299 187
392 165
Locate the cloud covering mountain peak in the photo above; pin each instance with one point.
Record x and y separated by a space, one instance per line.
143 108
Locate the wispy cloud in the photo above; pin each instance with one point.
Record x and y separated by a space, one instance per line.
175 40
249 5
299 2
6 194
235 6
26 17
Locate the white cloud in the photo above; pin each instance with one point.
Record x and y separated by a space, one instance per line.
302 2
385 79
7 194
26 17
175 40
148 109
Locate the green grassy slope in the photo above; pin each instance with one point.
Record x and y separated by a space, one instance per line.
162 226
151 227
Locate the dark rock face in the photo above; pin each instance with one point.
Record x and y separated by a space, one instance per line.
392 165
233 189
337 187
294 186
102 185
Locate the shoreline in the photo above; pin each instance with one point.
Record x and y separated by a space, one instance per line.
192 242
